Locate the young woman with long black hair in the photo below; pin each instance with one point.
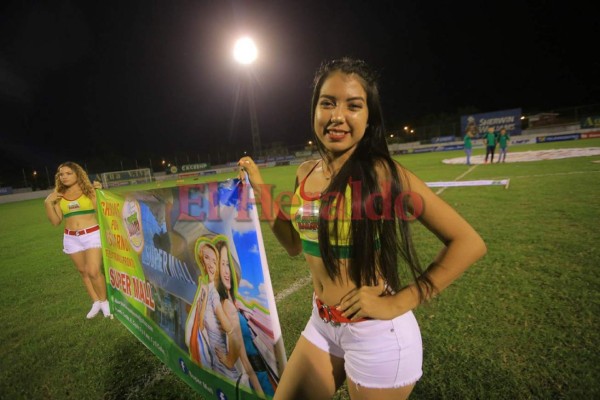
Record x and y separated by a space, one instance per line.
351 220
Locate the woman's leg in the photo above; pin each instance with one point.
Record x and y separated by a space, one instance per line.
79 259
383 358
310 373
93 263
358 392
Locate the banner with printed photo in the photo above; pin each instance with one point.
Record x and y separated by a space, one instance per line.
187 275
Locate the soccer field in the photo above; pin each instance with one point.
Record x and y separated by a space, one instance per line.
520 324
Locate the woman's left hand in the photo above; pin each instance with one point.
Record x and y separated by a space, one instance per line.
368 301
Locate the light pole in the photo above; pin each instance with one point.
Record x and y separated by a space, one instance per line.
245 53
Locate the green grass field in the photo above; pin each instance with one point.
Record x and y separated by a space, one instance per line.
523 323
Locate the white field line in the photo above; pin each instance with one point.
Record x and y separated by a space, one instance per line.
457 178
293 288
555 174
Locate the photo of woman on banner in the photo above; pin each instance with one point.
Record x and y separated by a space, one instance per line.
196 337
210 329
253 374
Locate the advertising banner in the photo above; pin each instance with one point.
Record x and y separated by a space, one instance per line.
478 124
187 275
558 138
590 122
443 139
129 177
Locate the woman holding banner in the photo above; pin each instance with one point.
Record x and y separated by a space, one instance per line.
351 220
74 200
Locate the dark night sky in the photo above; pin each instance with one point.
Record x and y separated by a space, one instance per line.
97 82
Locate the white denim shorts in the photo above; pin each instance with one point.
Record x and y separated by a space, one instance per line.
74 244
377 353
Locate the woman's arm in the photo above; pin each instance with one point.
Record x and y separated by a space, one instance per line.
53 211
203 301
95 185
462 246
279 223
231 325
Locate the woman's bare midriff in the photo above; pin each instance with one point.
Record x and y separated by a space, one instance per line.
328 291
77 222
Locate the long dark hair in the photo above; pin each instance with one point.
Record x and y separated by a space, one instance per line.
376 242
225 293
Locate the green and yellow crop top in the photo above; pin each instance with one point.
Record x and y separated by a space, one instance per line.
79 206
304 214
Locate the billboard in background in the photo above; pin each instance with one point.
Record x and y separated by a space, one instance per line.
443 139
479 123
128 177
590 122
558 138
187 275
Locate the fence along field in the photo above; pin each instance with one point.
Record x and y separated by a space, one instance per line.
522 323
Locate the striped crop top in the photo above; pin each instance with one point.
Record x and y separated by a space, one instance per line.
304 214
79 206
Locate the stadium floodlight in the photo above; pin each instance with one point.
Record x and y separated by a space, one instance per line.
245 51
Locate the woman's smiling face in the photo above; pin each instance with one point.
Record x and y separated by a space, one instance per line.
210 261
341 113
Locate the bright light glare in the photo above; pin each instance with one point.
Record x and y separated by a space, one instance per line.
245 51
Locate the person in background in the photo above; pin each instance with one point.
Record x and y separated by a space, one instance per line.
74 201
362 328
503 140
490 144
468 145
